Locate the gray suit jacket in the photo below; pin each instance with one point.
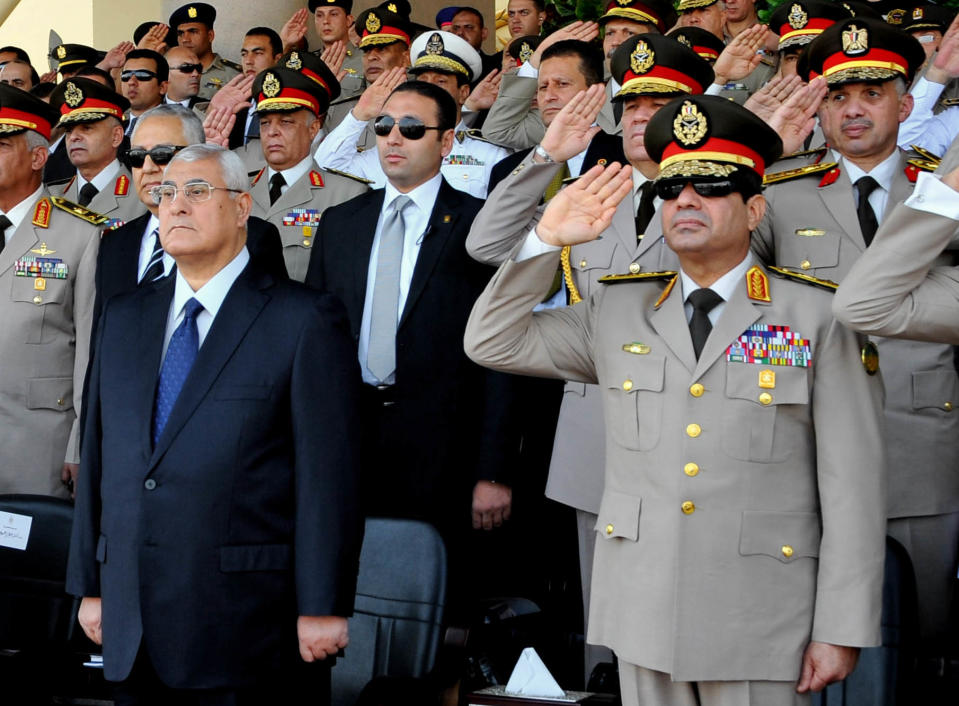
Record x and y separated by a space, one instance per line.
731 531
812 228
120 203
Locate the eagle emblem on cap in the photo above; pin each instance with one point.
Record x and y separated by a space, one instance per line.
391 7
690 125
294 62
855 40
61 52
73 96
624 3
525 52
435 44
642 58
797 17
895 17
373 23
191 12
684 40
917 13
271 85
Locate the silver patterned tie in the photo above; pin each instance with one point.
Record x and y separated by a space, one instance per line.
381 353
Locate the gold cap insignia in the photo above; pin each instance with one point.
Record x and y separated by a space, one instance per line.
61 52
624 3
683 39
855 40
373 23
525 52
435 44
391 7
642 58
191 12
294 62
690 126
895 17
917 13
271 85
73 95
797 17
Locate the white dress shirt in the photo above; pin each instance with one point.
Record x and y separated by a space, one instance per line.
103 179
291 174
884 173
147 242
725 287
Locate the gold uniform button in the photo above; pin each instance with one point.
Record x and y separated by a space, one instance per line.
306 243
765 398
627 385
696 389
634 267
60 402
787 551
693 430
582 263
38 299
947 406
609 530
805 264
691 469
688 507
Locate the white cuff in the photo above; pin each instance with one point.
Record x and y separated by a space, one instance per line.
932 196
526 70
533 247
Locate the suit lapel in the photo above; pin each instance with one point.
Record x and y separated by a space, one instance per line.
840 200
260 192
442 221
624 224
739 314
359 245
128 250
669 320
154 309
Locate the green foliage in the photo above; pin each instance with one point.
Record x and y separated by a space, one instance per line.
562 12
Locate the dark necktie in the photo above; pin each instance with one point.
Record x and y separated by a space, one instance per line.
703 301
867 217
646 210
180 355
87 192
154 270
277 182
4 224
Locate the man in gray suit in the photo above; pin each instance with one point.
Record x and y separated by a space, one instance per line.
820 223
739 555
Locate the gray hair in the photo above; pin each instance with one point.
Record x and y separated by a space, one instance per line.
35 139
231 166
192 125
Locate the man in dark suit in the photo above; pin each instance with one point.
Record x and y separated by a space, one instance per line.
216 535
436 446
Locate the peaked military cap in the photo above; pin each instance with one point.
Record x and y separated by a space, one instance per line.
687 5
709 137
928 17
799 22
345 5
446 53
21 111
299 81
72 55
194 12
377 27
863 49
83 100
522 48
653 64
701 41
446 15
651 12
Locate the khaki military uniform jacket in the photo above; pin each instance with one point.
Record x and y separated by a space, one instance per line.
120 203
511 121
353 84
737 521
44 345
607 118
510 212
216 75
296 214
810 226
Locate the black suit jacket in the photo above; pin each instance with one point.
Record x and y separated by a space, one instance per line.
447 422
58 166
243 516
602 146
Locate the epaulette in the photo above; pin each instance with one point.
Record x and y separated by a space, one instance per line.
804 153
231 64
354 177
808 279
638 276
79 211
923 165
925 154
946 102
60 182
345 99
790 174
478 135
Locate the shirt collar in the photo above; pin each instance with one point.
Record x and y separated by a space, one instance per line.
103 178
424 195
19 212
293 174
884 173
725 286
211 294
152 224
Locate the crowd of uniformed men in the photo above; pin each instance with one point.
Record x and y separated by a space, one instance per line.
672 194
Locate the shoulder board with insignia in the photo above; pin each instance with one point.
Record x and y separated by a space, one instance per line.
925 154
257 177
804 153
354 177
949 101
477 135
60 182
231 64
638 277
925 165
808 279
75 209
790 174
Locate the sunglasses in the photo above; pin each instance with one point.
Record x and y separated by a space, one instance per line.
670 189
161 155
410 128
188 68
138 74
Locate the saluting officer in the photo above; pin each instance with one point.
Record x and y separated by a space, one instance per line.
738 549
48 252
291 192
193 26
333 19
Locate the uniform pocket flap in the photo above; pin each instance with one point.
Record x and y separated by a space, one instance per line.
50 393
102 549
575 388
619 516
644 372
767 385
935 388
785 536
602 258
255 557
38 290
242 392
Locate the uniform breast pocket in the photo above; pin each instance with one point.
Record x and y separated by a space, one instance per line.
40 301
464 176
935 389
808 249
765 411
634 402
588 265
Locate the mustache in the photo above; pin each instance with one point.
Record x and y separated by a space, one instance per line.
689 213
864 122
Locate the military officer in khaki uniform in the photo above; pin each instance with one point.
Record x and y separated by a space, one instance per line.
47 264
92 116
819 222
333 19
193 25
291 192
739 551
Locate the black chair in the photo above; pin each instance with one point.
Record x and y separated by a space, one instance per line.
397 627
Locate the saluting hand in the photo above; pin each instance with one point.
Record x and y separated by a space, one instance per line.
796 118
585 208
573 127
373 99
740 56
293 31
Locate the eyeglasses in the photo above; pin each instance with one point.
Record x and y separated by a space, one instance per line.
161 155
188 68
138 74
410 128
195 192
669 189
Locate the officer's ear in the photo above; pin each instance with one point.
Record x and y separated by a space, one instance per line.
38 158
755 210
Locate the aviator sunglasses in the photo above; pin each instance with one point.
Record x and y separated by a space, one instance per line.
670 189
138 74
161 155
410 128
188 68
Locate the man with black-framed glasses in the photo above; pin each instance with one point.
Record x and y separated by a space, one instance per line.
143 82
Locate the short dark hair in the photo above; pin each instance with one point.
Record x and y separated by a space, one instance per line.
472 11
162 69
20 53
445 106
590 58
89 70
276 44
540 5
34 76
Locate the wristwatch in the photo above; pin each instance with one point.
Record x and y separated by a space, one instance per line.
542 154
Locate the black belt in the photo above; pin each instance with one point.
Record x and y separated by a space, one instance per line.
379 395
